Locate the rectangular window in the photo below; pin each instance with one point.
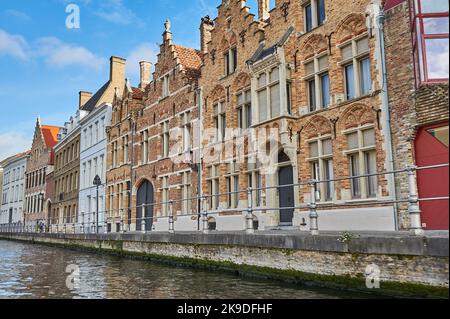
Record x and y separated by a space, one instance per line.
312 95
321 12
321 161
244 109
354 171
350 82
308 18
325 89
166 86
165 135
230 61
213 185
430 29
362 162
366 78
220 123
314 14
186 193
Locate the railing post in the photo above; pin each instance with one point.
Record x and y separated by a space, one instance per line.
205 215
313 216
171 218
413 207
249 218
143 224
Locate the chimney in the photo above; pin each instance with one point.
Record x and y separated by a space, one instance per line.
83 98
206 27
117 69
263 9
145 73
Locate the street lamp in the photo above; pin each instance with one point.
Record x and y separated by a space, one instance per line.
97 183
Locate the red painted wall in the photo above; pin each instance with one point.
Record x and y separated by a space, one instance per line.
433 182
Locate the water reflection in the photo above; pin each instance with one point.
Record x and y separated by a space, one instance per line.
33 271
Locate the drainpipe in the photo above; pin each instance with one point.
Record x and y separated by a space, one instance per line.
386 115
200 162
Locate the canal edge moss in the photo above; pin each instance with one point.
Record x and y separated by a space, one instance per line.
345 283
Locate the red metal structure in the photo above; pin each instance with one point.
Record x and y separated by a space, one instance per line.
432 149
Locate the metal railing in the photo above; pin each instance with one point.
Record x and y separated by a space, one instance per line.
123 220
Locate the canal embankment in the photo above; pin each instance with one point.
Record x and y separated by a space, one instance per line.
392 264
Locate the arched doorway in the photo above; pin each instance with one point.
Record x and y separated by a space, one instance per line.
286 193
145 196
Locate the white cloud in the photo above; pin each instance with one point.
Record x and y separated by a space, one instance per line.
143 52
116 12
13 143
60 54
13 45
11 13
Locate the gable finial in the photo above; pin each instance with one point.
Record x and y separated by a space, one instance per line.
167 25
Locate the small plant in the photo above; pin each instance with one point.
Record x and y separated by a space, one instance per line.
346 237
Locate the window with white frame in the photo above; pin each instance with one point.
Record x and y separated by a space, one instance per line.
165 195
321 161
318 82
220 121
362 158
314 14
166 86
244 109
230 59
356 67
254 181
165 135
213 186
232 178
268 92
186 119
186 192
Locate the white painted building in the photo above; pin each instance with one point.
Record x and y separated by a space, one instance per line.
11 212
92 163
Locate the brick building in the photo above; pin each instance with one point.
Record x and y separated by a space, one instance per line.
40 165
310 71
417 54
67 173
150 148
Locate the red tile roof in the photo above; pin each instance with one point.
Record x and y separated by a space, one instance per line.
50 134
191 59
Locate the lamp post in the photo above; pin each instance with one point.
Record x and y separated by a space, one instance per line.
97 183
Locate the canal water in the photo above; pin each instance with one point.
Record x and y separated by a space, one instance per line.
34 271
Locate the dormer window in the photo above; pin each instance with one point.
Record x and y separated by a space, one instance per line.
230 61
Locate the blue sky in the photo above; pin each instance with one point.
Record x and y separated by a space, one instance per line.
43 64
